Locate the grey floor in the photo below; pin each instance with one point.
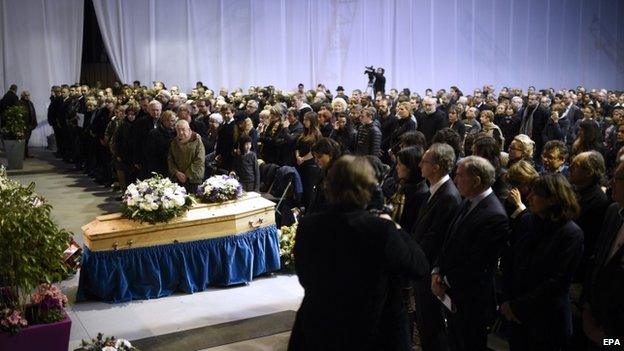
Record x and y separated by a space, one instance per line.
77 200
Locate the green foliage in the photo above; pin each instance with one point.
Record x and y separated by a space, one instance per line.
13 123
31 244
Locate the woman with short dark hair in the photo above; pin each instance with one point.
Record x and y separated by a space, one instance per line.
348 262
538 267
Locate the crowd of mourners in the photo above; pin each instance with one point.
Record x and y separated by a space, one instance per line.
513 197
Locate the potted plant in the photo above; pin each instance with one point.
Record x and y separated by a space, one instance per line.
13 133
31 246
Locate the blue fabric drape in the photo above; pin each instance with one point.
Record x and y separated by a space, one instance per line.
157 271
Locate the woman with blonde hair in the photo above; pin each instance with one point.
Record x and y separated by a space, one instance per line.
520 176
521 148
491 129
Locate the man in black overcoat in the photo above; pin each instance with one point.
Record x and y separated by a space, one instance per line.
464 271
431 226
603 293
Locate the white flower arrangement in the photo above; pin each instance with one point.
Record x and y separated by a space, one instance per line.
154 200
219 188
101 343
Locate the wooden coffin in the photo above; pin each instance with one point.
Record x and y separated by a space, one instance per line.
202 221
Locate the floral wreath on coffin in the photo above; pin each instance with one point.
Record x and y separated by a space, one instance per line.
218 189
155 200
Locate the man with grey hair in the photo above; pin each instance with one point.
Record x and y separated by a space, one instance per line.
586 173
141 129
517 102
463 274
472 125
251 111
186 157
429 231
432 120
573 112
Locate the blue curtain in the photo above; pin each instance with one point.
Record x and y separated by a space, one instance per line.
152 272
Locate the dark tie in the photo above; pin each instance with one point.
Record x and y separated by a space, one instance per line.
463 210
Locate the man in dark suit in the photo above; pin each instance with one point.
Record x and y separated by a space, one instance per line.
146 120
533 122
287 139
30 118
431 226
464 271
585 173
302 106
603 308
9 99
54 110
433 120
225 138
572 111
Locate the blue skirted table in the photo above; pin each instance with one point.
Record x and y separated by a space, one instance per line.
157 271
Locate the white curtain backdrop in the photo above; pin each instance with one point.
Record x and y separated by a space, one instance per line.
41 46
421 43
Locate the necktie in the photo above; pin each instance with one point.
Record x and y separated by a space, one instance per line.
463 210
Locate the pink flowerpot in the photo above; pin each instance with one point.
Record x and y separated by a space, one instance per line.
49 337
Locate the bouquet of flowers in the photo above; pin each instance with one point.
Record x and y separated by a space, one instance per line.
219 188
11 320
106 344
155 200
287 244
48 303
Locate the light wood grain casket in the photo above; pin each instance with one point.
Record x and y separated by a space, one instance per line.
202 221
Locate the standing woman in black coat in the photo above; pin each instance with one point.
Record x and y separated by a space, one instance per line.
538 267
348 262
326 151
412 191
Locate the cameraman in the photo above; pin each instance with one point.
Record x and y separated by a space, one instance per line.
376 79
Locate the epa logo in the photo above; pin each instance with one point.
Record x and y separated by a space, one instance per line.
611 342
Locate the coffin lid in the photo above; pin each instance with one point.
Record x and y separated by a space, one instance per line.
114 224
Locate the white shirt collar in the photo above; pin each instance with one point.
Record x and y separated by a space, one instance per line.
434 187
474 201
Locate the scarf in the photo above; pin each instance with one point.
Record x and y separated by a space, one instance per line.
526 127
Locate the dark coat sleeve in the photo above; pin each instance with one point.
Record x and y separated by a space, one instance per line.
375 143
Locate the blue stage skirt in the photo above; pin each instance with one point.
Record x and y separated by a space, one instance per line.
157 271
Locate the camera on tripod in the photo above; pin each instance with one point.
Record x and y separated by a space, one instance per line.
369 69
